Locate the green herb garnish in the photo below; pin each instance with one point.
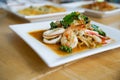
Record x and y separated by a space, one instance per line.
66 49
53 25
83 17
100 31
68 19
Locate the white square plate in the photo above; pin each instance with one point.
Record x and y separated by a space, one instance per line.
15 9
94 13
50 57
36 18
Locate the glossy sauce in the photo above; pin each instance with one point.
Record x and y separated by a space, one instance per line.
54 47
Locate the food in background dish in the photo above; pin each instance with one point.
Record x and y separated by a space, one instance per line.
46 9
99 6
72 34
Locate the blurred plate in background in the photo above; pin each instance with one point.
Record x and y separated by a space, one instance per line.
78 5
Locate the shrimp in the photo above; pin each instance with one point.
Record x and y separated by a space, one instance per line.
89 38
69 38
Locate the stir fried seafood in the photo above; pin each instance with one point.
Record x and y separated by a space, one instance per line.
46 9
99 6
73 31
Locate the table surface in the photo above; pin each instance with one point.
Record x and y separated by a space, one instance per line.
19 62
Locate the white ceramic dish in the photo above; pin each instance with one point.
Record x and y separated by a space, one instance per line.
50 57
77 5
42 17
14 9
35 18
